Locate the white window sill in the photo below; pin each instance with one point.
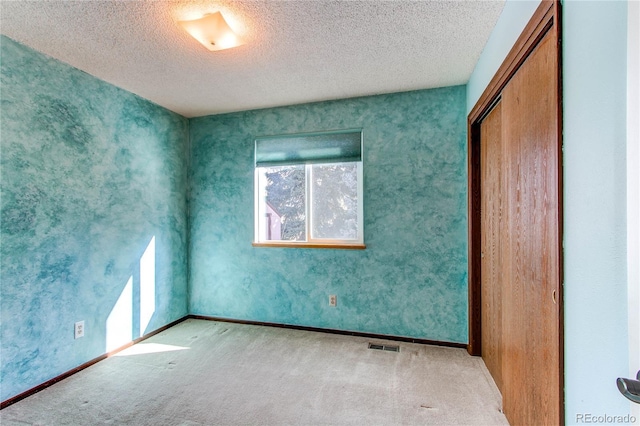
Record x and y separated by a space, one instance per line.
291 244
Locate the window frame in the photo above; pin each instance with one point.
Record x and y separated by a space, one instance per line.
310 242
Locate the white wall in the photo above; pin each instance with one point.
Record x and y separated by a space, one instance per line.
514 18
595 198
596 322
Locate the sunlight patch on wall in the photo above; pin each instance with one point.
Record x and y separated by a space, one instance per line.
147 285
128 314
120 320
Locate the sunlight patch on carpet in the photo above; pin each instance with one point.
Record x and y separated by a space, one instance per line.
149 348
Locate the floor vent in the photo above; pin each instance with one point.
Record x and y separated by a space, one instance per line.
389 348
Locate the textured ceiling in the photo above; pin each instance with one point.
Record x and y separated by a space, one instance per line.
295 51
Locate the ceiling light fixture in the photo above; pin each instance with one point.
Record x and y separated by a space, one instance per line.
212 31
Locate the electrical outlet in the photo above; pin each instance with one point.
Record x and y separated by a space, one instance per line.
79 329
333 300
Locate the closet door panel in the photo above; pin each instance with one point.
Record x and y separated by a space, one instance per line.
492 235
530 320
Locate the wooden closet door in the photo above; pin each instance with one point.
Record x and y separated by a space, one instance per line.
492 235
531 313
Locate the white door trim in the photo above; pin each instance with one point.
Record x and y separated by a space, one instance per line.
633 189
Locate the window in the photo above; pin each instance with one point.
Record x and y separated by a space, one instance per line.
308 190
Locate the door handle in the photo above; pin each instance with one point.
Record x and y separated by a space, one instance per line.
630 388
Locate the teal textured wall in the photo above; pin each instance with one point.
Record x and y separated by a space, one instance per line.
412 278
90 174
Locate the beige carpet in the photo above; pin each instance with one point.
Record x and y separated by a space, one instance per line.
213 373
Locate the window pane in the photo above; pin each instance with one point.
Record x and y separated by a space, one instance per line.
334 189
283 206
